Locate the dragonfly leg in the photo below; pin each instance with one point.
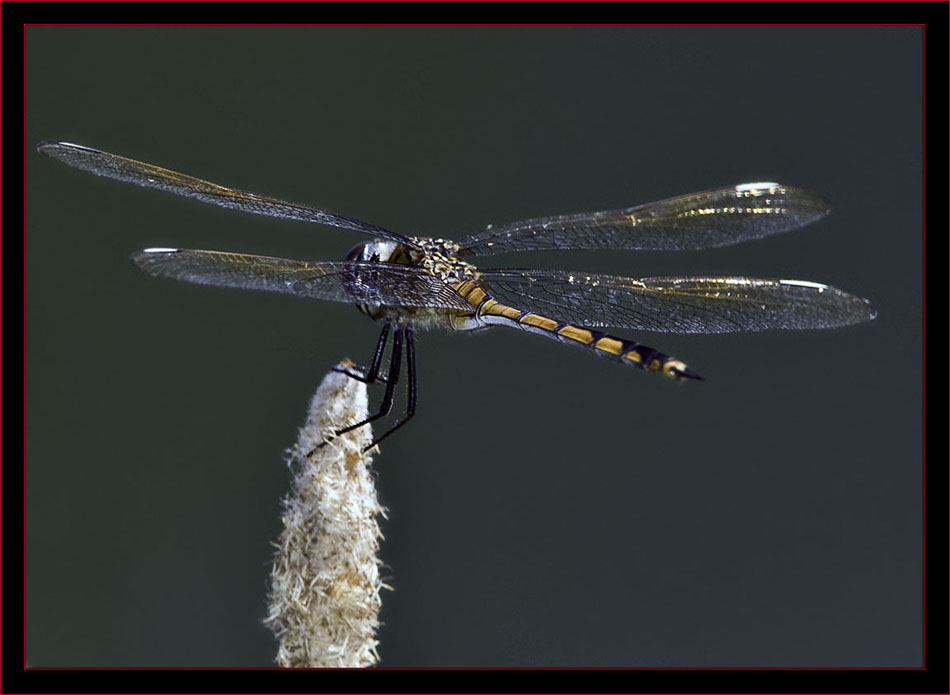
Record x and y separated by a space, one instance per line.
410 385
372 374
395 360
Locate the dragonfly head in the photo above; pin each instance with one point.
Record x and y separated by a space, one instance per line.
372 251
359 252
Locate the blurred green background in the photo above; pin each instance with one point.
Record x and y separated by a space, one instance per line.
596 516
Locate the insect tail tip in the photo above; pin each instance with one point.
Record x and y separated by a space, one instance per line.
678 371
687 374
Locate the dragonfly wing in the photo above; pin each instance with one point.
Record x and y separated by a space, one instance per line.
354 282
150 176
677 304
719 217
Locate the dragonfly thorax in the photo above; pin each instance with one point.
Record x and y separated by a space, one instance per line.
437 257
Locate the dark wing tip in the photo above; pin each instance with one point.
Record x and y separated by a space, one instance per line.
831 307
810 206
59 149
807 206
821 206
51 148
858 309
145 258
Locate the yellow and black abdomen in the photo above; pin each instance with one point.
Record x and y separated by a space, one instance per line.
489 312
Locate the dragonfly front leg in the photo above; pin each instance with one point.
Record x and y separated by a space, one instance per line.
395 361
372 374
403 334
410 386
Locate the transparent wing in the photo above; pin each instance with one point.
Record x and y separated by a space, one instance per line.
353 282
677 304
150 176
720 217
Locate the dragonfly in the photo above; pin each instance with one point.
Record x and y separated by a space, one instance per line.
410 282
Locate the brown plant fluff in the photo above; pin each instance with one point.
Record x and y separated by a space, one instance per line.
324 600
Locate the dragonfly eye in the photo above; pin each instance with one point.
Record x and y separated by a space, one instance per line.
359 252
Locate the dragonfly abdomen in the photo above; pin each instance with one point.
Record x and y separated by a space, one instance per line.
489 311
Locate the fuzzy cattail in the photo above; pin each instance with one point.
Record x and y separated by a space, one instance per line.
324 598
